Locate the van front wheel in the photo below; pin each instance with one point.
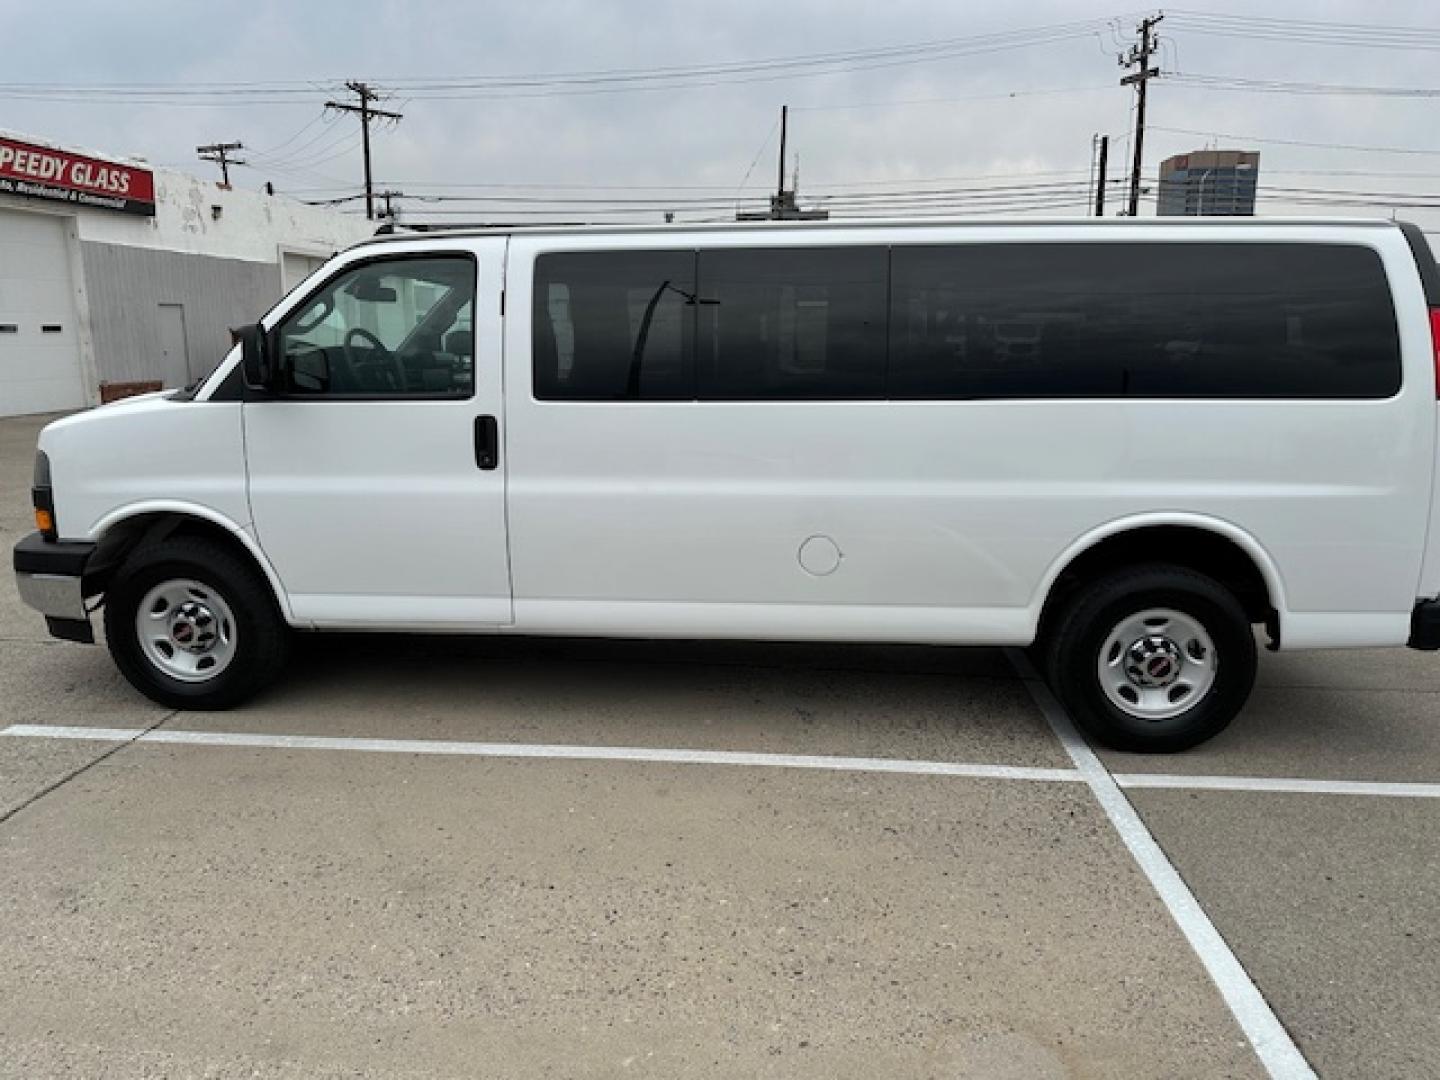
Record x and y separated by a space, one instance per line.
1154 659
193 626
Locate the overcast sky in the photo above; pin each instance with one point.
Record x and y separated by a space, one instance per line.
901 127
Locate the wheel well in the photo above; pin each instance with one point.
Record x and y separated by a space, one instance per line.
125 536
1196 549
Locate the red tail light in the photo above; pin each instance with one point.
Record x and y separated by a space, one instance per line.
1435 346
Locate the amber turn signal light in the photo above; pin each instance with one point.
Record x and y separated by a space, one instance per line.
45 522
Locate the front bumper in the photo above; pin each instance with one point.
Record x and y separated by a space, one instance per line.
1425 625
50 577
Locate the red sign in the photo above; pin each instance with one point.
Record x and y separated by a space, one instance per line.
38 172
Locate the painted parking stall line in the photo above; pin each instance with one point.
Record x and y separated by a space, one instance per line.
88 734
1272 1043
1296 785
1284 784
557 751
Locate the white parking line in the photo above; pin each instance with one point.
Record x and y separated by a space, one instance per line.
1272 1043
1294 785
978 770
974 770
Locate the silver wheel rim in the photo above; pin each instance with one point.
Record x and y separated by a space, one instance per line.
1157 664
186 630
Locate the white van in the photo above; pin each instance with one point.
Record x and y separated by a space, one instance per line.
1126 442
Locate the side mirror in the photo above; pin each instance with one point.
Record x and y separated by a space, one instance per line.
255 357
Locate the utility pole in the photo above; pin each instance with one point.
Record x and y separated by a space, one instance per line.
220 153
367 112
389 213
784 204
1100 187
780 181
1139 58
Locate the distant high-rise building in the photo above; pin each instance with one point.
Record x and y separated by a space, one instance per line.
1208 183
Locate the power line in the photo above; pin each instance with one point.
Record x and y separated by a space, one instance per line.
1074 187
1388 174
419 208
1308 32
862 59
532 78
274 150
336 148
501 217
1298 142
562 83
309 176
1002 95
994 200
848 204
756 160
722 188
306 171
217 102
310 146
1276 86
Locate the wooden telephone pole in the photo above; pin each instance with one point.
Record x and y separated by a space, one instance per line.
390 212
1139 58
784 204
220 153
1103 175
367 112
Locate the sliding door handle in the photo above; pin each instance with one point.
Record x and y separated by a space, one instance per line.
487 442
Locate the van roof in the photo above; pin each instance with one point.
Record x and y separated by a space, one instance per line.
572 229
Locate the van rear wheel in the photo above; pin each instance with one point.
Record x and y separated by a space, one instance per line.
1153 659
193 626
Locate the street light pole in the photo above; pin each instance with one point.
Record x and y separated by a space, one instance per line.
1200 199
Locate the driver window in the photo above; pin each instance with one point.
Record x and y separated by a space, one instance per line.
389 329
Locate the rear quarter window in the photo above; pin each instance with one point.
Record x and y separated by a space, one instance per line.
1191 320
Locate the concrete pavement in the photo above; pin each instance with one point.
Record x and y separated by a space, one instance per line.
178 910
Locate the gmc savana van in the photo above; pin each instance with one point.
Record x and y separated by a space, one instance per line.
1127 443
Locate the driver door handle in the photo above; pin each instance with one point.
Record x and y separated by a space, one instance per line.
487 442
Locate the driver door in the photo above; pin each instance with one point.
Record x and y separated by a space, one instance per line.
376 482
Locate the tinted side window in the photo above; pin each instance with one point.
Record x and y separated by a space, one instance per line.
1155 320
792 323
614 325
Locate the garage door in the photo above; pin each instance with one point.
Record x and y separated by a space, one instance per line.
39 342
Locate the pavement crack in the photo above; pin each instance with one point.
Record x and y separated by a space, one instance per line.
81 770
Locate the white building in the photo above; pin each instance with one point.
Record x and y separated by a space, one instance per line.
112 272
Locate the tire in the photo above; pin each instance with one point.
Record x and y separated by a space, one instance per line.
1153 659
213 634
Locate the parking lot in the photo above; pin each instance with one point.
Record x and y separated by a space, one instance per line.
521 857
